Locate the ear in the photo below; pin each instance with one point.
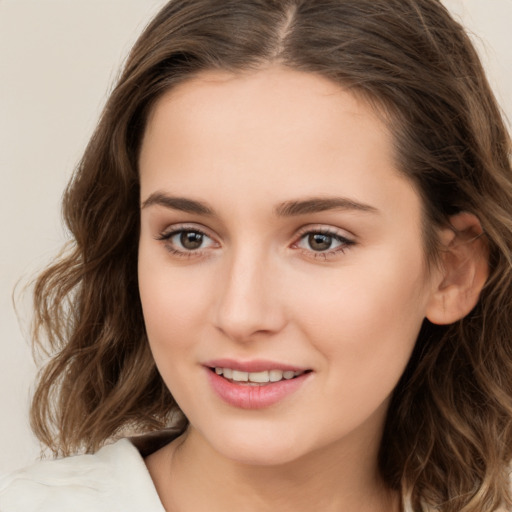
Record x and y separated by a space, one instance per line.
463 270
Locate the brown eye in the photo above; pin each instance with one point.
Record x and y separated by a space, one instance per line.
191 240
186 241
323 243
319 241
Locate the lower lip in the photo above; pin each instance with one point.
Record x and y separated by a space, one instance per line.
245 396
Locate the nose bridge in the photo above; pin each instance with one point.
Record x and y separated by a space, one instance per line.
248 297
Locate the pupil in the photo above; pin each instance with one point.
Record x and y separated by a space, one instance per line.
191 240
319 242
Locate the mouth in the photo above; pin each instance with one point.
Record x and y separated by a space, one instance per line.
259 378
255 384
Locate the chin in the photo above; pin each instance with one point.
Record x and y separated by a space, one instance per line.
257 455
261 448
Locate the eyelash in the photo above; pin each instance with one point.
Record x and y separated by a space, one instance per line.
166 237
344 243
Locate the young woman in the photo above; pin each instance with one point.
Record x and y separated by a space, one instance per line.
290 283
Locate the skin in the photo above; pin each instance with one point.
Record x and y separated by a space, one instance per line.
245 145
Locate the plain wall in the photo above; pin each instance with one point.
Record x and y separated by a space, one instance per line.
58 60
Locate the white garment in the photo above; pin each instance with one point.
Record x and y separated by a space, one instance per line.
114 479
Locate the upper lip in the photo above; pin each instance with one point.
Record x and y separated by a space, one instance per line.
255 365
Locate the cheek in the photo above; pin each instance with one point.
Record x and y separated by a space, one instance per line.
366 318
170 309
172 302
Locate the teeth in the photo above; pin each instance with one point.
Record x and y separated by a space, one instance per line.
240 376
275 375
257 377
260 377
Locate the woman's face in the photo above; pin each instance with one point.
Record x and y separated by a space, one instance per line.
278 240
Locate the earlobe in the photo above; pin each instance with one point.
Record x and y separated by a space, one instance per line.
463 271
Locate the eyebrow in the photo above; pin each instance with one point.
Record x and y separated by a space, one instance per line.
177 203
286 209
321 204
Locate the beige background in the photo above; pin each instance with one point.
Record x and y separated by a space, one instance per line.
58 60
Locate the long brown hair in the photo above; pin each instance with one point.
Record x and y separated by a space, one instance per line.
448 437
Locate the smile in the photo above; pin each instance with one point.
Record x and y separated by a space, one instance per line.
256 378
251 386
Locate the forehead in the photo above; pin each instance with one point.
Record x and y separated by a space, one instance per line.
275 133
273 94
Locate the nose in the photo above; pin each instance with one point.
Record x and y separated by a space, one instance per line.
249 301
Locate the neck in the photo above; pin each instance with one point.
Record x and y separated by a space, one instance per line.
189 475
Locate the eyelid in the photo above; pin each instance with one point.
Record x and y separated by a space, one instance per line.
345 242
165 237
185 226
326 230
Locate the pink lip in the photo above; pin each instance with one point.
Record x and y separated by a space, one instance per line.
256 365
246 396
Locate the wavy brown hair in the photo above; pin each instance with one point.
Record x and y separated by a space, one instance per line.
448 437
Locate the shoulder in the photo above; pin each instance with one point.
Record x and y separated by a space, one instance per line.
113 479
